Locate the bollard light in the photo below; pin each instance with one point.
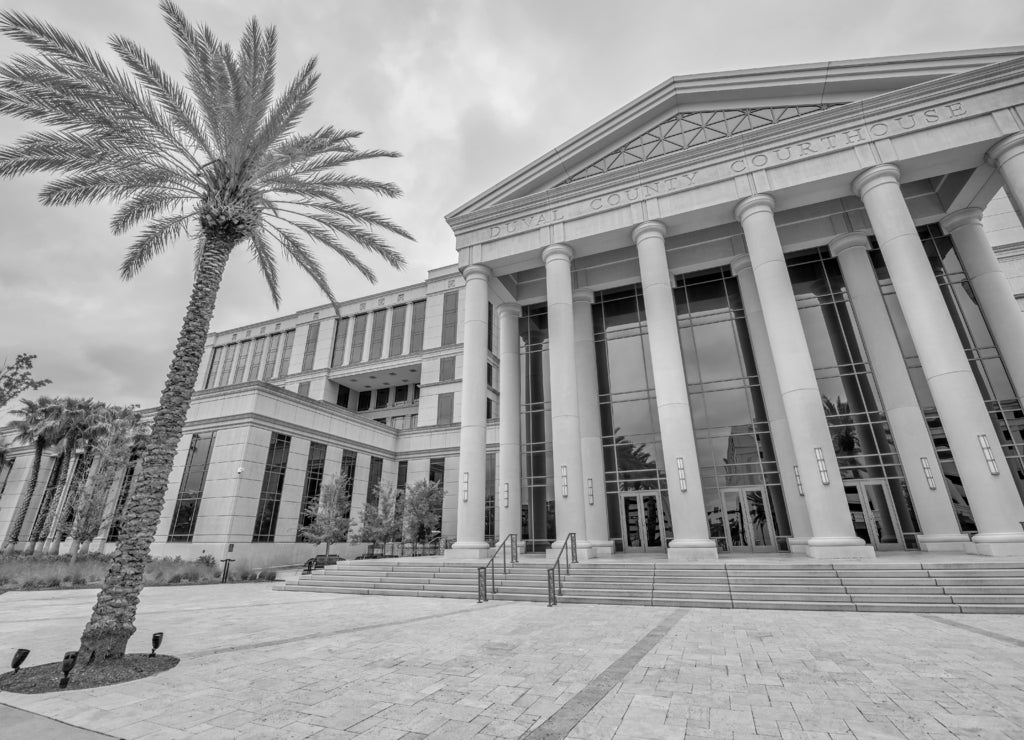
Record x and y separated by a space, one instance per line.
70 658
19 657
158 637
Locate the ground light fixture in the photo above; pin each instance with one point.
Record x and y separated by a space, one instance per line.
158 637
70 658
19 657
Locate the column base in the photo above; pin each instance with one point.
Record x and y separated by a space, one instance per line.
840 548
602 548
468 551
798 545
998 544
692 550
584 550
943 542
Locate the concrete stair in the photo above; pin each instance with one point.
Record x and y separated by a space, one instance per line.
953 587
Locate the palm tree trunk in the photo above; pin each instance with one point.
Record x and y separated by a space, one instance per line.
26 499
45 506
55 518
113 618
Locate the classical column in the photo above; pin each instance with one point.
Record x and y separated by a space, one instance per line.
831 525
591 451
782 440
570 514
972 438
939 527
690 539
1008 157
991 290
473 434
509 494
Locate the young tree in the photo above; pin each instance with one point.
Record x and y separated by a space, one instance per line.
328 517
423 501
17 377
216 159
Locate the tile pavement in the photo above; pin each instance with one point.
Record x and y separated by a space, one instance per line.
258 663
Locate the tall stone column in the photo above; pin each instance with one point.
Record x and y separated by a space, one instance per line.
782 439
690 539
972 438
1008 157
570 513
991 290
470 543
509 494
939 527
831 525
591 452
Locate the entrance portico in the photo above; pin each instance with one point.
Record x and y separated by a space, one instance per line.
875 160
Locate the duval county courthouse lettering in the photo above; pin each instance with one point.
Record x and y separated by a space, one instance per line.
756 311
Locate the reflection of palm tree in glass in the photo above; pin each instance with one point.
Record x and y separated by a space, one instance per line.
758 516
634 465
845 441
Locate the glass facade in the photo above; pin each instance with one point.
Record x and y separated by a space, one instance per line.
314 480
257 358
377 334
397 331
419 315
538 493
270 490
190 493
286 352
358 339
309 353
243 361
450 319
340 335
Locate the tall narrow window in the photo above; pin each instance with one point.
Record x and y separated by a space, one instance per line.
309 354
225 370
363 402
268 367
243 359
419 315
190 493
377 334
383 398
304 388
445 408
286 353
348 469
401 393
257 358
397 331
340 335
373 487
490 471
436 474
447 371
211 374
490 326
358 339
314 480
450 319
344 392
122 497
270 491
403 475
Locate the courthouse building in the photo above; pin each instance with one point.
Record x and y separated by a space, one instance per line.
758 311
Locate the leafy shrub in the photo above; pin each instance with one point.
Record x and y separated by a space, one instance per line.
207 559
176 578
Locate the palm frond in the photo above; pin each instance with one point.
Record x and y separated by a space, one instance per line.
145 204
152 241
300 253
286 112
263 253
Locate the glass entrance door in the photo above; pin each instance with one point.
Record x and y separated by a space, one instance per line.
874 518
748 520
642 522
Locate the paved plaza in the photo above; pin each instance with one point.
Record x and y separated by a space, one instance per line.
257 663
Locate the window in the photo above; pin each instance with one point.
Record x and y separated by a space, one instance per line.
310 352
5 475
363 402
376 473
243 359
270 491
303 388
490 326
268 368
257 358
419 314
450 319
414 421
382 420
403 475
286 353
397 331
490 375
225 370
398 422
377 334
314 479
401 394
416 392
445 408
348 470
436 474
126 486
447 369
383 397
490 472
490 408
358 339
343 395
211 373
190 493
340 335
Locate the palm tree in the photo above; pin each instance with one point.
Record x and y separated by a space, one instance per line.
34 426
216 159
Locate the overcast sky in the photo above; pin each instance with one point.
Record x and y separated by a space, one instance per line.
467 91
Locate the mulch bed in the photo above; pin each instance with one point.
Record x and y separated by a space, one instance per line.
42 679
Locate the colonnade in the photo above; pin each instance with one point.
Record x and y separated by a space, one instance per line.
812 484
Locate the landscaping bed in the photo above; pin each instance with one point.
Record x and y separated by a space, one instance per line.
41 679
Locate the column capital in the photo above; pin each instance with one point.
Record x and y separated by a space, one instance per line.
556 251
648 227
877 175
754 204
509 309
964 217
1005 149
852 240
476 271
739 263
583 295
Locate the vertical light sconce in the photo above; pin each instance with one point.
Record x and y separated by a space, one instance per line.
590 491
822 470
799 483
506 495
990 457
681 470
465 486
928 473
565 483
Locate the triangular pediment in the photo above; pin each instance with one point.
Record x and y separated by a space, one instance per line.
686 113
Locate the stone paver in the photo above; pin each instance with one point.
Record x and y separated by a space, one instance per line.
258 663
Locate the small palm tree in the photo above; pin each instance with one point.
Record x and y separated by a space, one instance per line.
216 159
34 426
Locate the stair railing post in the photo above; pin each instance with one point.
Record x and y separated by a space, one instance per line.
481 584
574 559
551 587
515 548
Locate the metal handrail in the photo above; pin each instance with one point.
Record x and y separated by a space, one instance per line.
557 568
481 571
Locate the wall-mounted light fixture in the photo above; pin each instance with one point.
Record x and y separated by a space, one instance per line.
505 489
681 470
590 491
799 483
990 457
928 473
822 470
465 486
565 483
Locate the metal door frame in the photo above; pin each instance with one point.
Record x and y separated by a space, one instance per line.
773 546
642 520
869 516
